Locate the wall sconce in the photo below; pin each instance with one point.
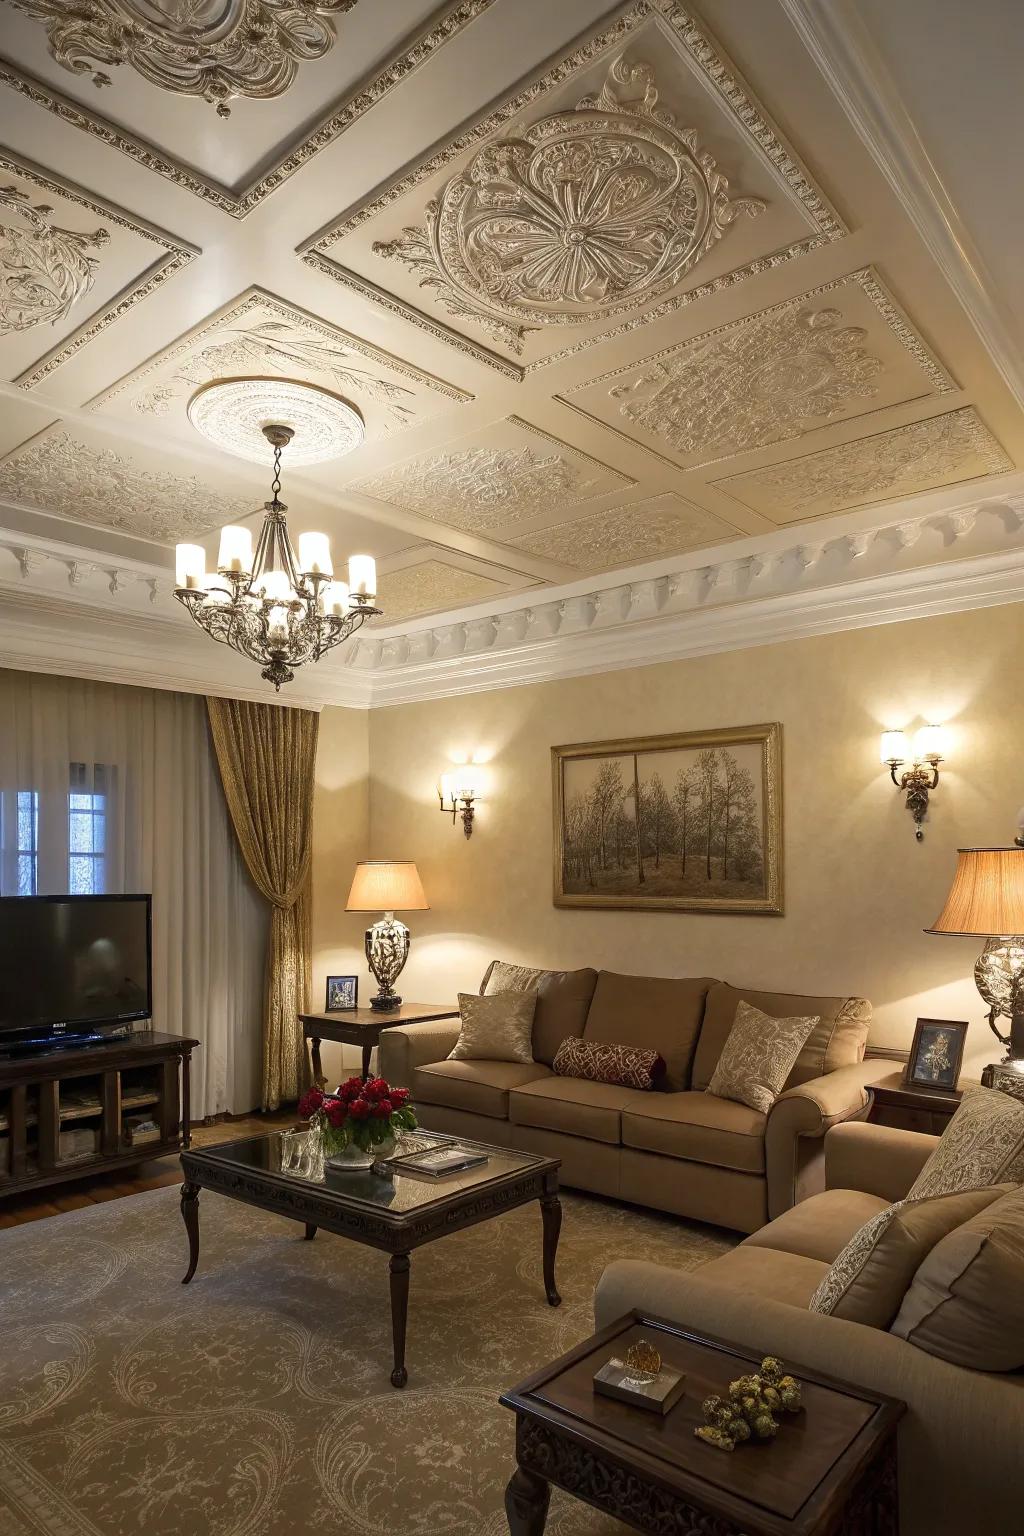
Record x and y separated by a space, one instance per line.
459 788
917 781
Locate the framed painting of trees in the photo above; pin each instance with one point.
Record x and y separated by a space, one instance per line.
686 823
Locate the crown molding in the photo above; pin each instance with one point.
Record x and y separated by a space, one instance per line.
841 47
64 609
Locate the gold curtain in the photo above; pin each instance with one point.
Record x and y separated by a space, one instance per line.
266 756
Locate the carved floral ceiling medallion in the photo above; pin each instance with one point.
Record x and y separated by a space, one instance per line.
216 49
233 412
44 269
581 215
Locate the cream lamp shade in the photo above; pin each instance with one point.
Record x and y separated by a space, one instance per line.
986 899
386 885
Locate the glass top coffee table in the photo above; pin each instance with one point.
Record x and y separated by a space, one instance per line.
393 1211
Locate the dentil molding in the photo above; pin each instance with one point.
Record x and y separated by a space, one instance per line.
66 609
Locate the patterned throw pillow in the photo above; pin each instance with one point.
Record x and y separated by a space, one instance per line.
498 1028
869 1278
628 1065
982 1144
503 976
758 1056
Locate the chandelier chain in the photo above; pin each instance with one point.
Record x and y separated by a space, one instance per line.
275 484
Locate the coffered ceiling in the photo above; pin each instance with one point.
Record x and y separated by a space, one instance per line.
609 283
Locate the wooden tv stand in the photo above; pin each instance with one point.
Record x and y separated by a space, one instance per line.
94 1088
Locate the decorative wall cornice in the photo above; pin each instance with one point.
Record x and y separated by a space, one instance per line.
67 609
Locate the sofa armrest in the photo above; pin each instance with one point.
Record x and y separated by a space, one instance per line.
794 1153
875 1159
959 1443
404 1047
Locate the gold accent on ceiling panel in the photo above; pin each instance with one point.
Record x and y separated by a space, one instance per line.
941 450
507 473
842 350
259 332
641 530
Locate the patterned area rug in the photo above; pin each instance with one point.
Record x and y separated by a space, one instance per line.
256 1402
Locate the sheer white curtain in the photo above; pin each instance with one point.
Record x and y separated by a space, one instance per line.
110 788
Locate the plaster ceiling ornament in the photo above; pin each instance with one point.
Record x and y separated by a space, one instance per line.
217 49
234 413
486 487
430 586
67 476
583 214
642 530
942 450
44 269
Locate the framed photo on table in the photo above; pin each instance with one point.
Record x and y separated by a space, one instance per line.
342 994
936 1054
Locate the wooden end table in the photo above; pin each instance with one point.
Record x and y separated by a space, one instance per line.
363 1027
910 1107
830 1472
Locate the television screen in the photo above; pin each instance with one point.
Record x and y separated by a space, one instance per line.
73 960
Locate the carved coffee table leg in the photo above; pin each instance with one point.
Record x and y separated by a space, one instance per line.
310 1231
399 1269
526 1503
190 1216
551 1213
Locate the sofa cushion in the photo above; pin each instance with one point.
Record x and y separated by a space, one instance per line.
982 1144
574 1106
868 1280
660 1012
482 1087
838 1040
966 1302
631 1066
770 1274
820 1227
759 1055
563 999
698 1127
498 1028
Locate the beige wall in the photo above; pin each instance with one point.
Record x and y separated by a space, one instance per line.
341 821
859 889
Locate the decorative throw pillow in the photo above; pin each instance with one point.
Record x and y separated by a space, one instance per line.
502 976
758 1056
868 1279
982 1144
966 1302
628 1065
498 1028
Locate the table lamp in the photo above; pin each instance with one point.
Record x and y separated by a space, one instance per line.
986 900
392 886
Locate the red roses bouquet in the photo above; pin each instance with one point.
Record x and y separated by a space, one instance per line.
362 1113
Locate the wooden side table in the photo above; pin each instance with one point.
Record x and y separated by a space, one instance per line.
830 1472
910 1107
363 1027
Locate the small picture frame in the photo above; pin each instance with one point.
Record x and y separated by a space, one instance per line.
936 1054
342 994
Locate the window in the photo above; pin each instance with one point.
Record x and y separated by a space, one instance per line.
28 842
87 830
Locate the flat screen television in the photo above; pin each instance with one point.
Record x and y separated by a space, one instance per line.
73 967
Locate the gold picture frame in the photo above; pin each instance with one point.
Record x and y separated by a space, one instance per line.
710 825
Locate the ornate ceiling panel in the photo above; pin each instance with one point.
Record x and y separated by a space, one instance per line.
85 481
509 472
842 350
590 200
70 264
430 586
260 334
941 450
627 535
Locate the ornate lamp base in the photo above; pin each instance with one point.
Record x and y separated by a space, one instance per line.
387 949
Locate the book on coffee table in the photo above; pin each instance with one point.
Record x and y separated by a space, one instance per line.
436 1161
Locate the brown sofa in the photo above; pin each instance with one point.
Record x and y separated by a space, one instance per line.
681 1149
959 1443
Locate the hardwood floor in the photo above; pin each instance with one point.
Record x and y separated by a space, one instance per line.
149 1175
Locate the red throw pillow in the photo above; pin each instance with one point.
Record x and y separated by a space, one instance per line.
628 1065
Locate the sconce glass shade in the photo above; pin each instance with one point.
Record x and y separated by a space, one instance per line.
385 885
986 898
464 782
930 744
893 748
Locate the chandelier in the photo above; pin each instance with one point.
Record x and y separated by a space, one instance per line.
270 605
